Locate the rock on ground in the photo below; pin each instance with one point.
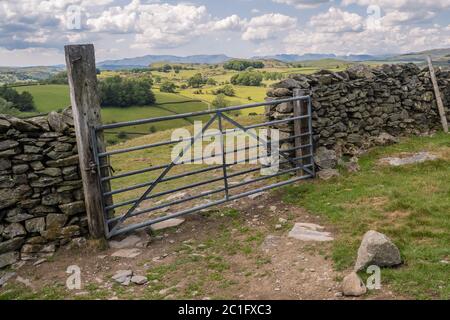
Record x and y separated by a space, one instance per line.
127 253
171 223
353 286
139 280
415 158
128 242
309 232
377 249
327 174
325 158
123 277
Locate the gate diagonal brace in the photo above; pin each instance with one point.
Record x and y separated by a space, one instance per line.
163 174
282 153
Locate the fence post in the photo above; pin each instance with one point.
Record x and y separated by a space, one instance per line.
301 126
437 93
82 75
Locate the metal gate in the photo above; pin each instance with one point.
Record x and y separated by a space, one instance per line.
296 164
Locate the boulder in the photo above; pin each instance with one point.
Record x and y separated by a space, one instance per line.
7 259
352 286
123 277
325 158
377 249
11 245
73 208
14 230
35 225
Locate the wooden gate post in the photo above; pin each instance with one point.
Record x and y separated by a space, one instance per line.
82 75
301 126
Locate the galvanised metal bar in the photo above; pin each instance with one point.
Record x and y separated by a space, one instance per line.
156 195
154 168
195 114
169 142
150 189
235 123
311 143
137 213
205 206
224 161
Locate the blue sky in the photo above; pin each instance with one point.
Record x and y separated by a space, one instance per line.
33 32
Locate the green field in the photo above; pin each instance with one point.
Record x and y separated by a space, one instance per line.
55 97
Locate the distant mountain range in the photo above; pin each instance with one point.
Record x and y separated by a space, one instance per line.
441 57
320 56
145 61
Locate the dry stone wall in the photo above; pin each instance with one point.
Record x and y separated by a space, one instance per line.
362 107
41 195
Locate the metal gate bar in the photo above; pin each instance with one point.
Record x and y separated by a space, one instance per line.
114 223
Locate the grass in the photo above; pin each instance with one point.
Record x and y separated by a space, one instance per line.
48 97
55 97
410 204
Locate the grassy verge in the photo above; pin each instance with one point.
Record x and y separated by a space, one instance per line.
410 204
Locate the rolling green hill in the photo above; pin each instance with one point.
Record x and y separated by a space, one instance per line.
55 97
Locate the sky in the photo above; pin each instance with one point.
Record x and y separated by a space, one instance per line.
34 32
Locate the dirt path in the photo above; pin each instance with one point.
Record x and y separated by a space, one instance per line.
239 251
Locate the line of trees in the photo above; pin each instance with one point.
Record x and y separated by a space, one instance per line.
241 65
21 101
118 92
247 79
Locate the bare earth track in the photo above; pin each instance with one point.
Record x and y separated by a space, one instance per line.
235 252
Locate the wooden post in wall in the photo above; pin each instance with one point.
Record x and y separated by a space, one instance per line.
437 93
300 127
82 75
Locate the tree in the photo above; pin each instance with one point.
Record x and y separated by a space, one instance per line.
227 90
247 79
7 108
23 101
196 81
119 92
220 102
168 86
241 65
211 82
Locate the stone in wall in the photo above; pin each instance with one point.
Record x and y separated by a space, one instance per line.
41 203
357 108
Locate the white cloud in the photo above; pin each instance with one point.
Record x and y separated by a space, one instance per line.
402 4
267 26
396 17
388 39
336 20
302 4
233 22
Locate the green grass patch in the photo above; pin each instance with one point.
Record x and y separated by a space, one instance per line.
410 204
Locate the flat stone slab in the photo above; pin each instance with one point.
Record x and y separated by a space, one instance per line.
127 253
128 242
412 159
309 232
171 223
